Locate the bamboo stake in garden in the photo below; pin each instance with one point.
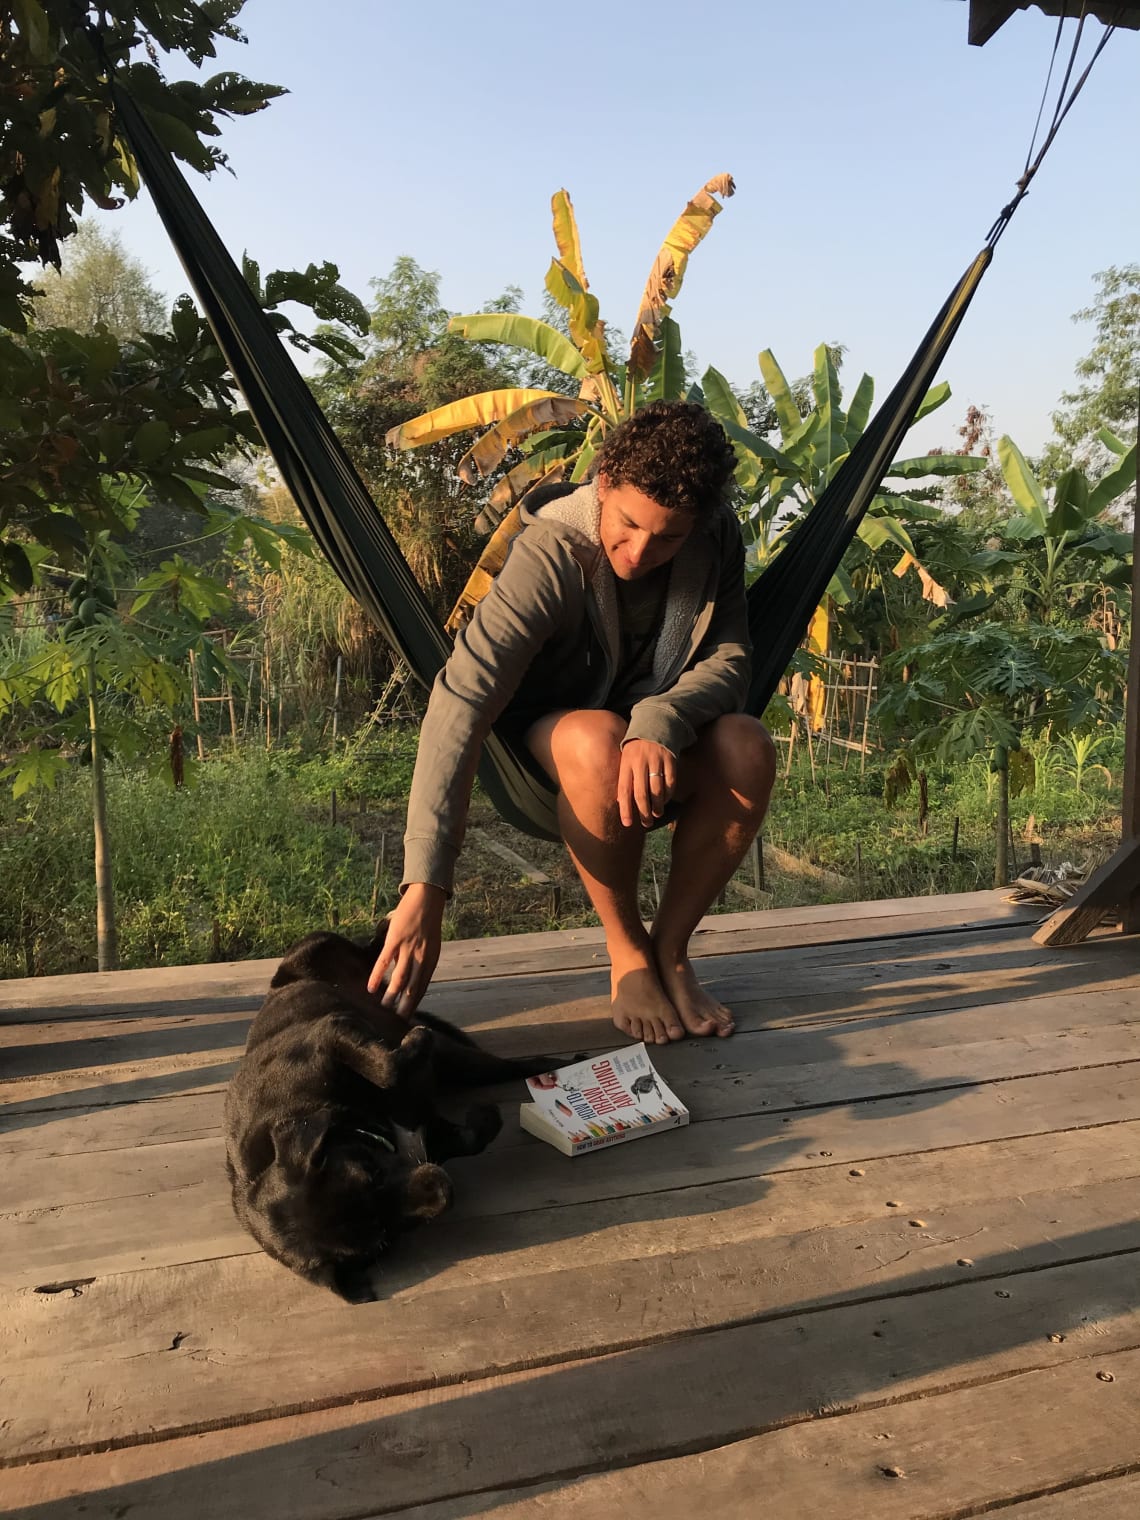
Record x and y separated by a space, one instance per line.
106 935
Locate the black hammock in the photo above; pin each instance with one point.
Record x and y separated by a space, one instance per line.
357 543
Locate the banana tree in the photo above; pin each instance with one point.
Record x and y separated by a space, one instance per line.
780 484
1064 546
558 434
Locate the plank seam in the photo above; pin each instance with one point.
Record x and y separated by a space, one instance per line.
991 1506
787 1111
468 1378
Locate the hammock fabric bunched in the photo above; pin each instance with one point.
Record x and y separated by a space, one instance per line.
354 538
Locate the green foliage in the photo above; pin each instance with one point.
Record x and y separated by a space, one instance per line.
1109 374
103 287
412 361
137 662
101 418
59 141
239 849
975 689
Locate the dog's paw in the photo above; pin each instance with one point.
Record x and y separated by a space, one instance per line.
415 1047
484 1121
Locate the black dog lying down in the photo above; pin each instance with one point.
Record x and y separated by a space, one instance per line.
333 1142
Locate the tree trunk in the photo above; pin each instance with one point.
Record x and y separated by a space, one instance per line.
1001 828
108 947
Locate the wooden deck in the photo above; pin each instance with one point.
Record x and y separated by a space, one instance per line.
891 1270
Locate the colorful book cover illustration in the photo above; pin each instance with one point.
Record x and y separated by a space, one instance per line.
600 1102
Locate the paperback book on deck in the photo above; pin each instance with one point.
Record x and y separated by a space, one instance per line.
602 1101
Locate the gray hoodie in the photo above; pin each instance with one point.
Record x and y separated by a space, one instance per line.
546 637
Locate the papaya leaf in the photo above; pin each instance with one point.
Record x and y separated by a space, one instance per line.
36 767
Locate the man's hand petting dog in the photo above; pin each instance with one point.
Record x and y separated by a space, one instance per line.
334 1144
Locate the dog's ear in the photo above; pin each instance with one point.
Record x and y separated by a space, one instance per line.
372 947
323 957
429 1193
299 1144
353 1281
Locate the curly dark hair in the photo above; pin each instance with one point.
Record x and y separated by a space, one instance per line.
673 451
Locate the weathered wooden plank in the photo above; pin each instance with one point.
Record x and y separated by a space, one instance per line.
597 1413
773 1071
769 1074
239 986
194 1223
962 1453
1061 1029
254 1340
172 1198
532 1016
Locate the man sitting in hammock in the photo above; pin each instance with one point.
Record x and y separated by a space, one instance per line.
614 645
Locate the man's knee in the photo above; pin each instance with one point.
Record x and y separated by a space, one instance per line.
585 749
742 752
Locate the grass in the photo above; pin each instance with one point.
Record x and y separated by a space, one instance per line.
247 859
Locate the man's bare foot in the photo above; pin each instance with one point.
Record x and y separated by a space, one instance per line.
641 1009
699 1011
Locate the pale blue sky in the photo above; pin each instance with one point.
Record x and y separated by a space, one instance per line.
871 149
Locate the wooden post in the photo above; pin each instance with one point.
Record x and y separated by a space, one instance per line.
954 845
248 696
1130 802
1001 829
758 863
867 715
375 886
791 746
336 699
107 938
197 705
267 696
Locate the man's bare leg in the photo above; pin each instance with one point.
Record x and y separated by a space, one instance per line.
581 752
725 782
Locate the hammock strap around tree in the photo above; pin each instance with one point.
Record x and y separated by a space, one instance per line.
351 534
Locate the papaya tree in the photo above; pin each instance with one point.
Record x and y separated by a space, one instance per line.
97 428
984 688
